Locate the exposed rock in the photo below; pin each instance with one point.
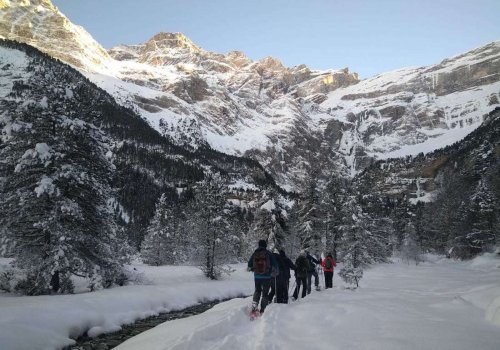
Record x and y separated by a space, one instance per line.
40 24
264 109
193 89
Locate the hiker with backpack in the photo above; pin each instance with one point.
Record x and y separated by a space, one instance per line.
262 262
283 279
285 276
329 263
275 275
312 272
302 266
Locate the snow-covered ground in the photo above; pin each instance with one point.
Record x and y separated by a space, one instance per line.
49 322
439 304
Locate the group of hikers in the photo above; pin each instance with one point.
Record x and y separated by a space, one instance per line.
272 274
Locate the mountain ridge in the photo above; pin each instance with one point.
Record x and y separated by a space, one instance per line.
292 120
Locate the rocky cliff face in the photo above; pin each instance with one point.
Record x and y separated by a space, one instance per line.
40 24
396 110
422 178
292 120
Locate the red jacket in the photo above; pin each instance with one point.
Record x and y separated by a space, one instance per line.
323 263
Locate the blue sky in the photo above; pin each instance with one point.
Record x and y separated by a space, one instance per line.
368 36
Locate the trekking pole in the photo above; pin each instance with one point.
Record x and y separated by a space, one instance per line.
318 287
324 282
321 278
287 285
275 289
324 278
293 288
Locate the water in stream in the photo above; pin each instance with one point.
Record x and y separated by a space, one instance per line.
111 340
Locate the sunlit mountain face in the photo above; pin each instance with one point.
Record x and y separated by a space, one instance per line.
293 120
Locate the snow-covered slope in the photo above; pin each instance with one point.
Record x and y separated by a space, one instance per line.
40 24
440 304
292 120
416 110
443 305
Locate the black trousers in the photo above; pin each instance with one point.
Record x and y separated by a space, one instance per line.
328 279
300 281
279 287
309 278
283 284
262 287
274 286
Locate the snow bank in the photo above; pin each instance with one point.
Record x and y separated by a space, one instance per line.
493 310
49 322
486 296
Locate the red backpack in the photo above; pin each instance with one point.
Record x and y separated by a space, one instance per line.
261 262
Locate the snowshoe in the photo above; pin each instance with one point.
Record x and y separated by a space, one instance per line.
254 314
254 311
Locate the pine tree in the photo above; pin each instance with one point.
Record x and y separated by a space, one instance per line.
166 242
361 245
239 227
335 195
309 219
481 219
379 233
292 243
410 249
55 215
153 249
269 224
354 249
400 216
209 222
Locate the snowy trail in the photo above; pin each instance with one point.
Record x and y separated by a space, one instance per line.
443 305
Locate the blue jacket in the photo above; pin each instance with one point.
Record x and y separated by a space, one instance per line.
272 259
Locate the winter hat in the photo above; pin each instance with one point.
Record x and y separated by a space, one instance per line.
262 243
302 252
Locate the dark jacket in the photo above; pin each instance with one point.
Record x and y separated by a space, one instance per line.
312 262
272 260
302 265
285 265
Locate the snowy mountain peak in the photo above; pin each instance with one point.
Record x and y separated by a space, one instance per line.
271 63
238 59
43 3
40 24
164 40
289 119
